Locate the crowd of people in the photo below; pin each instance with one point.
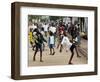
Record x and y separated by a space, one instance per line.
52 33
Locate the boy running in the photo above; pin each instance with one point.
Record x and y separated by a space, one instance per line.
70 45
38 43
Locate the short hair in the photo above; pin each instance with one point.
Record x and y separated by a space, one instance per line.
50 33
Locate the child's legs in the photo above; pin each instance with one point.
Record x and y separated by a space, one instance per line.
53 49
72 53
40 53
43 46
50 51
35 52
77 52
71 57
58 45
59 42
61 47
31 43
34 46
50 46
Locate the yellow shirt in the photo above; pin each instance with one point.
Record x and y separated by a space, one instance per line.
30 37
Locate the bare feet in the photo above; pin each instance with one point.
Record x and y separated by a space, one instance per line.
70 63
41 60
60 50
53 53
33 59
78 56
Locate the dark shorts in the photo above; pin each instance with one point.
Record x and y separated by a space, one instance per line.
51 46
38 46
72 47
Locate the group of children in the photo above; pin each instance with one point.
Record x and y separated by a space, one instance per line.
37 42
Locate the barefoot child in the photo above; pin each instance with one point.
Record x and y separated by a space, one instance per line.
51 43
70 45
38 43
60 35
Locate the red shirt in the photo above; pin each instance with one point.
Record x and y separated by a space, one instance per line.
61 30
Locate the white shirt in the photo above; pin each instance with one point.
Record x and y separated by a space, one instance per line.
52 29
66 41
51 39
45 27
34 26
76 39
76 26
42 32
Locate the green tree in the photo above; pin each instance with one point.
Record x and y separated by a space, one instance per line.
30 17
54 18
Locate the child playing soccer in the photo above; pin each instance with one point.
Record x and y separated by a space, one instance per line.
38 43
70 45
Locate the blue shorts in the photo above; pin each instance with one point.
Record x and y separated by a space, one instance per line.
51 45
